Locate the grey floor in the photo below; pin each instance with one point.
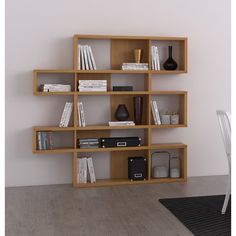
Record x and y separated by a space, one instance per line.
60 210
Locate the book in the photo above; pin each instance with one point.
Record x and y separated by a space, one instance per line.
157 112
91 170
79 51
55 88
82 115
79 170
93 61
89 57
121 123
79 117
63 116
39 140
153 113
84 170
68 115
135 66
85 58
44 140
82 58
155 58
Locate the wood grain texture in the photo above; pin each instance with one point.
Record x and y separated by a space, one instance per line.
117 211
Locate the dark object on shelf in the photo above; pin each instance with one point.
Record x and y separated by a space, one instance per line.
120 142
137 168
170 63
122 88
138 110
122 113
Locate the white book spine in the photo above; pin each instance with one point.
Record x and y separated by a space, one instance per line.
84 170
78 170
82 57
91 170
155 57
157 112
39 139
153 113
82 115
89 58
79 62
152 51
68 114
86 58
92 57
79 118
63 117
158 59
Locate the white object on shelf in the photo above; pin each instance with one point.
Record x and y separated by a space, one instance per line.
160 172
174 173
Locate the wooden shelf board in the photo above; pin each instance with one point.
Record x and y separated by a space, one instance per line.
112 71
113 149
47 71
53 93
168 146
167 126
58 150
114 182
115 93
168 92
52 128
107 127
167 71
84 36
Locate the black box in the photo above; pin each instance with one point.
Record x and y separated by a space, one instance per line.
120 142
137 168
122 88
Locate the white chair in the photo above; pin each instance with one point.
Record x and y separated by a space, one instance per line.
224 119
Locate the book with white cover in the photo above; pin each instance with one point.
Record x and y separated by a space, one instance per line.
92 57
85 58
39 139
79 66
79 170
68 115
157 59
121 123
157 112
84 170
89 57
82 115
91 170
153 113
79 118
82 57
152 52
63 117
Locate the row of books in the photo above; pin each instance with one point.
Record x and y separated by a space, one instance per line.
85 170
121 123
55 88
155 58
44 140
66 114
134 66
92 85
155 113
88 143
85 58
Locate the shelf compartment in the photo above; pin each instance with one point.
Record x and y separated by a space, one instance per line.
112 93
114 149
54 151
107 127
167 126
41 77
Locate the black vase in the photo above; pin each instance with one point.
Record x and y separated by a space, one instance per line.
138 110
121 113
170 63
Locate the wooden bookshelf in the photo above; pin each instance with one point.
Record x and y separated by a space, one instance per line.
120 50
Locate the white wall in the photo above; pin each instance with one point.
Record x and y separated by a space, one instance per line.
39 35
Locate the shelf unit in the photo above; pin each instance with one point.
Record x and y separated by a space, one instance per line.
120 50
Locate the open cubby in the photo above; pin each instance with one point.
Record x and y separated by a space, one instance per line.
99 107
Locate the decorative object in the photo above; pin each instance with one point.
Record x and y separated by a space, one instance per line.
121 113
137 168
174 119
165 119
170 63
201 215
174 167
160 172
162 169
138 109
137 55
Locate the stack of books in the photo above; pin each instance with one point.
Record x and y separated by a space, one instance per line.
85 170
92 85
121 123
135 66
66 114
155 113
85 58
44 140
81 114
55 88
155 58
88 143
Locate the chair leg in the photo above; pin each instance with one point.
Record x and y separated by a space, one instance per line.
227 195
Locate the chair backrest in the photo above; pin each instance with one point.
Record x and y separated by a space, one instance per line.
224 119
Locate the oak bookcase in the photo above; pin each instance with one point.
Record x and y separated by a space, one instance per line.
119 50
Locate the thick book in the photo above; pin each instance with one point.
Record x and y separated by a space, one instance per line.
92 57
91 170
89 57
121 123
85 58
157 112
